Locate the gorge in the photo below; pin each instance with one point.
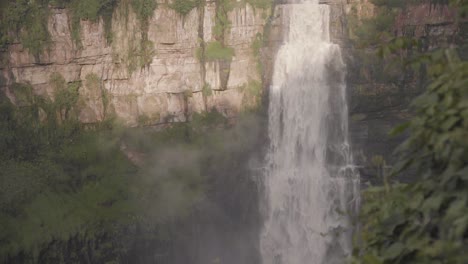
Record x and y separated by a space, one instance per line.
186 131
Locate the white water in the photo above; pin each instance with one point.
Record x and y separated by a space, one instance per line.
311 187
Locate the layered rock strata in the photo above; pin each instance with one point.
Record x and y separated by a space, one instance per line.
167 81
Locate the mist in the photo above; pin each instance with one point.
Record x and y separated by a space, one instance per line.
202 189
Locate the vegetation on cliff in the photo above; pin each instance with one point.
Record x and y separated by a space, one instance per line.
76 193
184 7
425 221
27 21
216 51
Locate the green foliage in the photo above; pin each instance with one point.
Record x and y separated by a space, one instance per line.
217 51
26 21
96 89
207 90
57 212
140 53
93 81
65 95
425 221
91 10
372 31
23 94
207 120
262 4
140 56
254 89
252 94
35 36
143 120
144 8
221 25
64 187
199 54
147 53
184 7
222 22
225 6
377 26
188 94
77 185
404 3
257 45
432 227
390 3
56 186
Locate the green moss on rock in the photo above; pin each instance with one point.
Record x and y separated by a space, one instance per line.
184 7
216 51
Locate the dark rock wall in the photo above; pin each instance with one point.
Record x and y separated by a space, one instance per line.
378 103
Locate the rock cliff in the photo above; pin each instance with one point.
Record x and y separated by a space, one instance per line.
379 96
152 78
182 64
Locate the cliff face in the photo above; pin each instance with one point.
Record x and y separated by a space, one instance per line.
160 75
379 96
155 79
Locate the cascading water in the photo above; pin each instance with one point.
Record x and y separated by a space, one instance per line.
311 187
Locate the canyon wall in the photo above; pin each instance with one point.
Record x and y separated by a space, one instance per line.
149 80
379 97
162 78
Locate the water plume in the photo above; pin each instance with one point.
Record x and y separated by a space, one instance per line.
311 187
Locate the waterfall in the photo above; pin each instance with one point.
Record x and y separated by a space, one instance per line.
311 188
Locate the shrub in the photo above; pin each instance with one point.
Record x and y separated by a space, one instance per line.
27 21
390 3
216 51
252 94
207 91
91 10
140 56
24 95
424 221
184 7
144 8
188 94
222 23
65 95
262 4
257 45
